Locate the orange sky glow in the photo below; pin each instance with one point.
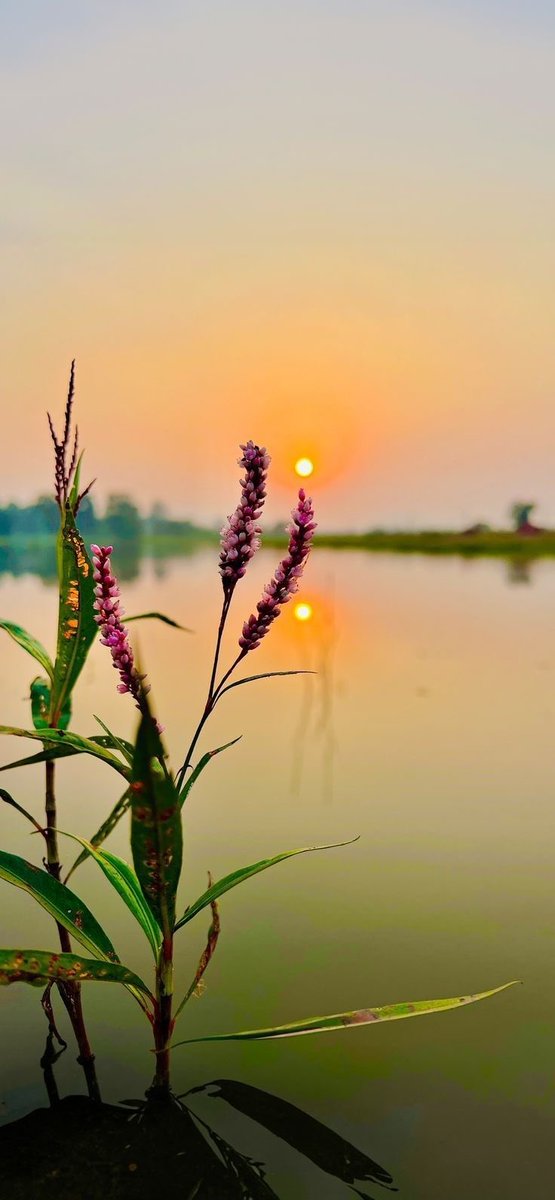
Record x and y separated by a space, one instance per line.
324 227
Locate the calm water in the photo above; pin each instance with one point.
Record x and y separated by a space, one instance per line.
428 730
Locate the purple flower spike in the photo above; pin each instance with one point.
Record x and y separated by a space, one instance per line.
240 536
113 632
286 577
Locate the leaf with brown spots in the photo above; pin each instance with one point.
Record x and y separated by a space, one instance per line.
62 904
156 837
38 967
363 1016
77 627
61 744
124 880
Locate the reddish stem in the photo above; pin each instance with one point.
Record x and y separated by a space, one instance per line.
69 992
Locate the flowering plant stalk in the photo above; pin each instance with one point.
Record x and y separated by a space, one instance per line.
51 707
51 698
155 797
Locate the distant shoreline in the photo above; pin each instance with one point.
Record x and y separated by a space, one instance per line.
490 543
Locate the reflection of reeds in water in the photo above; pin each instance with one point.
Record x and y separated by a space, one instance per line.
316 717
137 1148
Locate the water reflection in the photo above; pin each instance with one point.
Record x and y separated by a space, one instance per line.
318 646
19 559
315 1141
519 570
138 1147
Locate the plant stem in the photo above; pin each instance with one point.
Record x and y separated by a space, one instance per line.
70 992
163 1022
211 694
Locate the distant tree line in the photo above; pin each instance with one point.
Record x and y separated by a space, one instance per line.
120 522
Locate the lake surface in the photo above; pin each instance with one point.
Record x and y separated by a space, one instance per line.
428 730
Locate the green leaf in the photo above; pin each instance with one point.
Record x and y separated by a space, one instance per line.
41 702
117 743
105 829
5 796
186 787
156 837
30 644
363 1016
74 494
62 739
62 904
38 967
77 627
253 679
124 880
236 877
157 616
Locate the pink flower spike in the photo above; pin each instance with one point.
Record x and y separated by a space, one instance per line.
240 537
285 581
113 632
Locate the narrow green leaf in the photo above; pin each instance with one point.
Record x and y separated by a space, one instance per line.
363 1016
38 967
62 904
105 829
236 877
186 787
157 616
253 679
41 704
74 494
30 644
5 796
77 627
62 739
156 837
124 880
117 743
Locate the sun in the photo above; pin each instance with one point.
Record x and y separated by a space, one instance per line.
303 611
304 467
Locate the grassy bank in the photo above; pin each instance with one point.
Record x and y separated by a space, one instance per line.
499 543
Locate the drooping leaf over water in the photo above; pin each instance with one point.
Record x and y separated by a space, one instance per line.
62 904
38 967
156 836
66 743
30 644
348 1020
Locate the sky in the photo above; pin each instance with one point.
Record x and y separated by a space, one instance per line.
326 225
